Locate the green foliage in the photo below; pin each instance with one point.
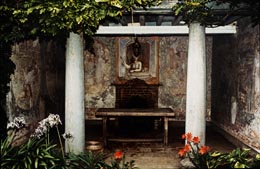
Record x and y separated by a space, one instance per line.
32 18
86 160
203 10
33 154
122 164
195 11
256 161
204 157
238 158
39 152
198 155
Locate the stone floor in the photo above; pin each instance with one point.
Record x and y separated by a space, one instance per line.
153 155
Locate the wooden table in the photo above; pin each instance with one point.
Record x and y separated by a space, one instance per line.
105 113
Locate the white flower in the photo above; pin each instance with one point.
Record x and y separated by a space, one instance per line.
50 121
10 125
54 120
17 123
67 136
40 130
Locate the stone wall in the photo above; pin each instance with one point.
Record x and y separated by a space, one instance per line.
236 83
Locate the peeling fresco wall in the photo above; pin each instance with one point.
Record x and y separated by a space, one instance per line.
37 85
100 74
236 83
38 82
173 53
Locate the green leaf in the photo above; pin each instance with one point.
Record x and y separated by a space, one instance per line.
101 0
139 1
49 156
42 10
36 163
215 154
29 160
29 11
239 165
23 20
79 19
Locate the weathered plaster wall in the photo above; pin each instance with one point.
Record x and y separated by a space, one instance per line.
100 73
236 83
173 53
37 86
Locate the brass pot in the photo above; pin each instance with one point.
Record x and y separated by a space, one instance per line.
94 146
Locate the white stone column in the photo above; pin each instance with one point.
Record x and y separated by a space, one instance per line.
74 94
196 83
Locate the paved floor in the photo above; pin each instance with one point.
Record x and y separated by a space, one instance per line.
153 155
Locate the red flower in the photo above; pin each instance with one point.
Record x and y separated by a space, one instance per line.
118 155
189 137
187 148
196 140
183 136
204 149
181 152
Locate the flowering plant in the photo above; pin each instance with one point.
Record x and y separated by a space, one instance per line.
203 157
35 152
39 152
198 155
120 163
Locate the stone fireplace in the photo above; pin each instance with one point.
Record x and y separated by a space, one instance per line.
136 94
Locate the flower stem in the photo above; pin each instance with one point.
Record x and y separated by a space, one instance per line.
48 136
61 145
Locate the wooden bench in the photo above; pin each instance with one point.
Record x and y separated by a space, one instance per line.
105 113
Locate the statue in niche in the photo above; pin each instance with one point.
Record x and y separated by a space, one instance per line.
137 58
135 65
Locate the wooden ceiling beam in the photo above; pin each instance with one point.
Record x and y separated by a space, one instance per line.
142 20
176 20
159 20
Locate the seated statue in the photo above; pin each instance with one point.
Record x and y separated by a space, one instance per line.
135 66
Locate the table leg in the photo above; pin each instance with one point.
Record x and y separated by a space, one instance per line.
165 141
104 131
